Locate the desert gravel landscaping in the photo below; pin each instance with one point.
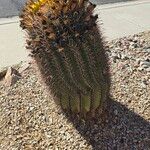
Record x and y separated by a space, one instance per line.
30 120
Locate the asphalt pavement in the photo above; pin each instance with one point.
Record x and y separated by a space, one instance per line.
9 8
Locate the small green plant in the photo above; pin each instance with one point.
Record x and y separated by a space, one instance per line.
65 41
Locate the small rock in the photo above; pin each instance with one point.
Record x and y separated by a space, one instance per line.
147 47
147 50
124 57
24 67
138 61
117 49
119 56
31 108
142 41
145 64
143 85
11 77
135 39
116 112
145 81
3 73
140 68
133 45
111 46
115 57
148 69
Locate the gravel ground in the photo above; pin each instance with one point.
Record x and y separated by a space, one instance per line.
30 120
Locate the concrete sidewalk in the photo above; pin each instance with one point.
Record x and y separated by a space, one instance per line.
119 20
12 43
123 19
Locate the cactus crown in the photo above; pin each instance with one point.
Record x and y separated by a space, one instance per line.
60 19
58 5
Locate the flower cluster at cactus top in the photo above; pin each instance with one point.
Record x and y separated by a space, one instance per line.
63 5
36 5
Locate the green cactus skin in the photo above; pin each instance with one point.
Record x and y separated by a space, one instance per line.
67 46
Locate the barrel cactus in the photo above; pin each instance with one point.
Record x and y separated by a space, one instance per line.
64 40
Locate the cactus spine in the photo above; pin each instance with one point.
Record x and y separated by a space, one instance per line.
64 40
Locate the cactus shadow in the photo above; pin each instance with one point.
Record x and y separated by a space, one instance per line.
122 130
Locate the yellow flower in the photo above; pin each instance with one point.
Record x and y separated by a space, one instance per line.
35 7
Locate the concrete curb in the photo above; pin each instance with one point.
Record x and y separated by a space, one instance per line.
11 20
121 4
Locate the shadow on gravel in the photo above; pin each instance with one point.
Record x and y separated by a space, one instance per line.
123 130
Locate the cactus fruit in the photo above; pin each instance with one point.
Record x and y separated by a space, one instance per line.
67 46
